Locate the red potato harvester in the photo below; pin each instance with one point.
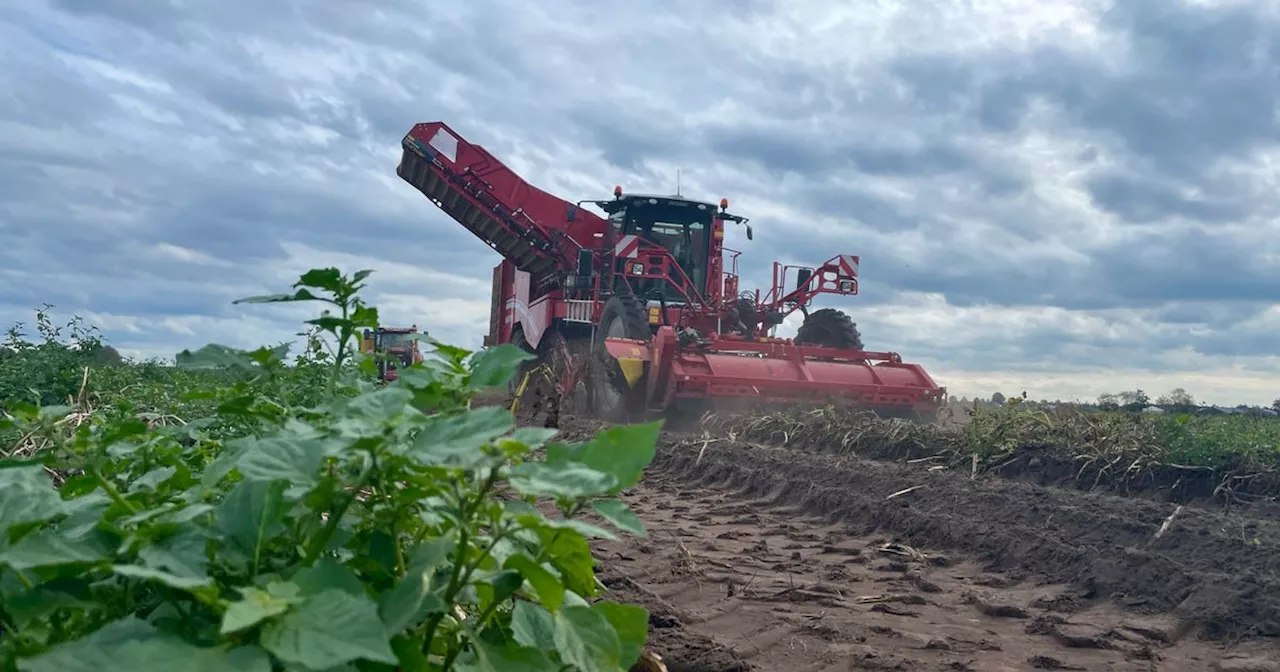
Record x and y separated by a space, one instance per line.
635 312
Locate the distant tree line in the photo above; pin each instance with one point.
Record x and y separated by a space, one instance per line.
1177 400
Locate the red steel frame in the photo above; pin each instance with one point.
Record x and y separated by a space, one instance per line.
541 238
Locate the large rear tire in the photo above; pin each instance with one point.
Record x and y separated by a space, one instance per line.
830 328
612 399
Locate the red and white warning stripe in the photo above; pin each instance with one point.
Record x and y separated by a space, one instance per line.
848 265
628 247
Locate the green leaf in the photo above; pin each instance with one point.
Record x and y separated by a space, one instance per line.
300 295
504 584
457 440
571 556
383 405
171 580
414 597
561 479
35 607
83 514
185 514
182 555
328 629
152 479
411 601
451 353
224 463
581 527
492 657
327 574
534 437
623 451
328 279
617 512
242 659
55 412
251 514
584 638
282 457
631 624
47 548
256 606
132 645
332 324
409 654
214 356
549 589
265 356
532 625
431 553
496 366
27 496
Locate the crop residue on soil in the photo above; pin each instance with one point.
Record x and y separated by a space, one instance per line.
785 559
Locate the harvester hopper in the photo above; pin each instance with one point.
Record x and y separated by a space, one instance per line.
637 310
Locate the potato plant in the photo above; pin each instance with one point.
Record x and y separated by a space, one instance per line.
373 527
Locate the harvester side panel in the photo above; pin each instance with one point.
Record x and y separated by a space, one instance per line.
533 316
536 231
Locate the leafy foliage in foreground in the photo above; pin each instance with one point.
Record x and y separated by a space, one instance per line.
70 365
376 528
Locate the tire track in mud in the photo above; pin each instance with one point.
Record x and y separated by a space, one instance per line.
781 559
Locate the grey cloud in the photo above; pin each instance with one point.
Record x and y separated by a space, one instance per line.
911 153
154 16
1143 200
1191 265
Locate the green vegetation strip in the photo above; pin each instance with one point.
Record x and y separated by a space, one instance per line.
246 513
1181 457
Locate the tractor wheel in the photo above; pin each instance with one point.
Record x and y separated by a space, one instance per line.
612 399
830 328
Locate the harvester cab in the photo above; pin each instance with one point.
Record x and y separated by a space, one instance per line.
680 227
639 309
394 347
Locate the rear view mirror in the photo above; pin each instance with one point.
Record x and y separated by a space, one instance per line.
802 277
749 232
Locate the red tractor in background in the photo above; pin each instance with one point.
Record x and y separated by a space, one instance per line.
394 347
634 310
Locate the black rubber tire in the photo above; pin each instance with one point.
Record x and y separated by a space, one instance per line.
629 312
747 314
831 328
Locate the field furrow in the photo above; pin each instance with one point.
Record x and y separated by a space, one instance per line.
787 559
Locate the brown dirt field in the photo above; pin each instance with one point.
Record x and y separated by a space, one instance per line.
788 559
773 559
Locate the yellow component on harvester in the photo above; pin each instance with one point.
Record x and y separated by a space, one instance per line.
632 369
654 315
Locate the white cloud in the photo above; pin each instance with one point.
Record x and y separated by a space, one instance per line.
1064 199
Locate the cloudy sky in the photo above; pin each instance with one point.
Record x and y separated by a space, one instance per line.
1066 198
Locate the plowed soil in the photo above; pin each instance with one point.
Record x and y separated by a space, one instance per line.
762 558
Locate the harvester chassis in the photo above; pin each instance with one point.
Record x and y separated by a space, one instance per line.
635 313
